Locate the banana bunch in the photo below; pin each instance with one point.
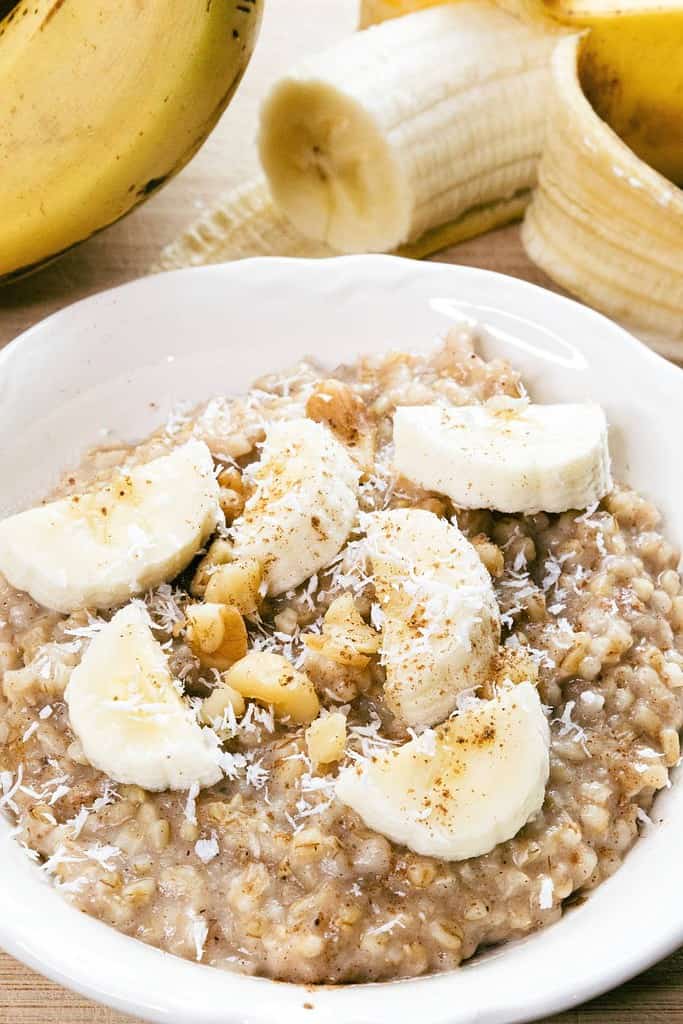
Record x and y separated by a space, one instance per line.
100 104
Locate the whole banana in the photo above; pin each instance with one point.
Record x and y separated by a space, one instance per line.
101 103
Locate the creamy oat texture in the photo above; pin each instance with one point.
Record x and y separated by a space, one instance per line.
266 872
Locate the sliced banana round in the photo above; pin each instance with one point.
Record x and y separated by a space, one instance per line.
460 789
303 505
441 624
506 455
98 549
360 160
131 721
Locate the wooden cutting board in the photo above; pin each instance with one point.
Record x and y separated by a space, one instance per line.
124 252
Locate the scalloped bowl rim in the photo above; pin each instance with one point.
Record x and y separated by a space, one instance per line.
160 337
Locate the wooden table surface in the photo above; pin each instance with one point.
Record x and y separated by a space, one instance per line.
124 252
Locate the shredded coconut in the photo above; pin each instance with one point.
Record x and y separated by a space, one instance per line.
191 804
200 931
33 728
545 893
207 849
570 728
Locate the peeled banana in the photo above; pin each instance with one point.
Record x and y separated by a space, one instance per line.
603 223
247 222
408 126
100 103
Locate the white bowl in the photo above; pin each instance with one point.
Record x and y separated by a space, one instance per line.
120 361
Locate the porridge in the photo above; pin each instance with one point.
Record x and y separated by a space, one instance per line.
268 703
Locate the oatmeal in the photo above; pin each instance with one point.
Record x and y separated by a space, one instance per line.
300 645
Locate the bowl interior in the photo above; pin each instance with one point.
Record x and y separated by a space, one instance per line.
114 366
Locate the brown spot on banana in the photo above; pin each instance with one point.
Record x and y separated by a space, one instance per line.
152 185
51 13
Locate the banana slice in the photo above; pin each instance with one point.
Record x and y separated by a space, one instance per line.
130 719
303 506
460 789
506 455
357 158
97 550
441 626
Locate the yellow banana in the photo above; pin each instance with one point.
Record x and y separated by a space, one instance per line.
100 103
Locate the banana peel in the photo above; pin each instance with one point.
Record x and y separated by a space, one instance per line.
631 66
603 223
243 223
100 104
246 223
631 71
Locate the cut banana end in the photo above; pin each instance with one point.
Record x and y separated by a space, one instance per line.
440 627
460 789
506 455
303 505
98 549
244 223
358 161
131 721
602 223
